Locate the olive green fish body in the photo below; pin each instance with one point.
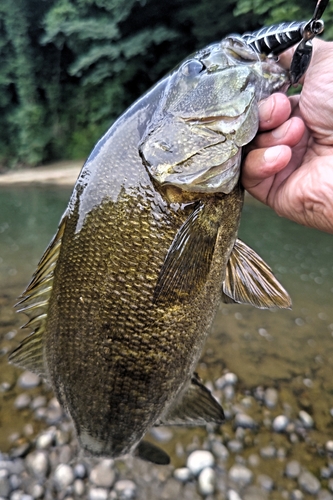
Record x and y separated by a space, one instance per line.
125 294
108 343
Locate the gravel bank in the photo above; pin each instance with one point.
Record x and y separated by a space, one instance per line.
62 174
229 463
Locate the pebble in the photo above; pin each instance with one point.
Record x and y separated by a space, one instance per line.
15 481
80 471
125 489
293 469
254 460
38 402
45 440
20 451
182 474
79 487
259 393
5 487
198 460
98 494
309 483
229 393
240 474
296 495
271 397
227 379
206 481
268 451
63 476
280 423
40 413
19 495
235 446
254 493
161 434
325 472
28 380
65 454
265 482
245 421
330 484
233 495
22 401
53 415
38 464
306 419
103 474
324 495
36 490
329 446
61 437
219 450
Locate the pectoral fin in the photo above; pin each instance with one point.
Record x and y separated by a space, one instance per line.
196 407
249 280
189 258
151 453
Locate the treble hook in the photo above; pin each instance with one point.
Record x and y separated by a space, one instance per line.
303 53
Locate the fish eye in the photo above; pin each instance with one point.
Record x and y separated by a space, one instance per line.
192 68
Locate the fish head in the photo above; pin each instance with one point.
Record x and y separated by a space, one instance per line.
207 112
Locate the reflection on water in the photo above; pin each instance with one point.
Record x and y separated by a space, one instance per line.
289 350
28 219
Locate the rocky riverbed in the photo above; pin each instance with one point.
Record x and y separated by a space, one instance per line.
251 457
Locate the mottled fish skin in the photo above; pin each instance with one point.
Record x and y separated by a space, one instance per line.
115 358
122 310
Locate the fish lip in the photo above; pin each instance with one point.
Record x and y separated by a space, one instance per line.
218 179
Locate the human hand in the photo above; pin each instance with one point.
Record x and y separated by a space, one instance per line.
289 165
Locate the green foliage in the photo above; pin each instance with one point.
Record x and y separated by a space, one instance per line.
70 67
277 11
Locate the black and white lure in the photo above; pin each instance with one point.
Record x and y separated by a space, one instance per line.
275 39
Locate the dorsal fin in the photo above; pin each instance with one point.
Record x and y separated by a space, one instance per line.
34 303
249 280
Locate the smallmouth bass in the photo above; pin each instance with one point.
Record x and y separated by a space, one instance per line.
125 294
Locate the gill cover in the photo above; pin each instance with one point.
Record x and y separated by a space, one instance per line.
207 113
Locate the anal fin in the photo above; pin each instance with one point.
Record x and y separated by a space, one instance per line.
249 280
196 407
29 354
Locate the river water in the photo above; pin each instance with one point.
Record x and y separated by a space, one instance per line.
291 351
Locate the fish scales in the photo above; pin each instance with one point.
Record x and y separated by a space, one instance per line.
156 342
145 251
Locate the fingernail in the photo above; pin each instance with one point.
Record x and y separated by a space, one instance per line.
280 132
266 109
272 154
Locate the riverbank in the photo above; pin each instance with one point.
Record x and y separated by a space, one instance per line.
62 173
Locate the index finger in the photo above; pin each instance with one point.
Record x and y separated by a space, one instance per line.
273 111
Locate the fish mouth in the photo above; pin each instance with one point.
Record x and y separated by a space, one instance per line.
217 179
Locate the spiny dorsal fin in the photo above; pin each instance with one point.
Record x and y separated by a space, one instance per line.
34 303
249 280
189 258
196 407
